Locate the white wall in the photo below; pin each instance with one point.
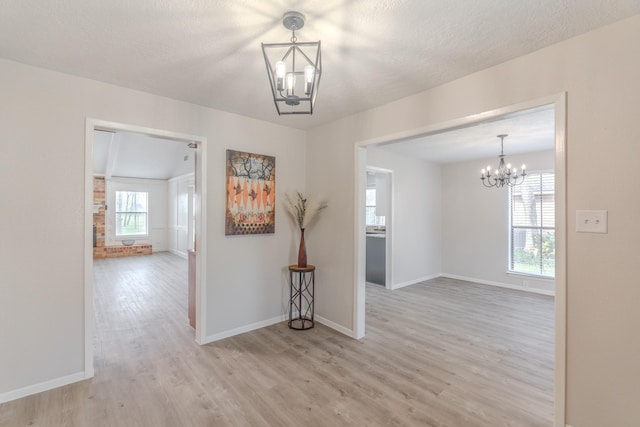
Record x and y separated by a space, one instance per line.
42 116
416 222
180 215
42 143
599 71
475 223
453 226
184 167
157 216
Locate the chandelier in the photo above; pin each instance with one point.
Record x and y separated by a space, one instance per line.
294 69
504 175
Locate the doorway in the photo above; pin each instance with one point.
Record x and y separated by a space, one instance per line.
559 105
379 226
199 209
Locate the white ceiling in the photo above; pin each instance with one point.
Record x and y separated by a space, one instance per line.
528 131
126 154
208 51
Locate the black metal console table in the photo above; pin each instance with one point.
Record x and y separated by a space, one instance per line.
301 289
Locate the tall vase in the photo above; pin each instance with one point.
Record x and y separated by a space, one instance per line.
302 251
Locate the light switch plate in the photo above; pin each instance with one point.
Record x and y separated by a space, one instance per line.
591 221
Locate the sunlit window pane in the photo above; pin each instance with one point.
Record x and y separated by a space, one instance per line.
131 213
370 208
533 226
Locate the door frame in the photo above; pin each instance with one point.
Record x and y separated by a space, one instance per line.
559 101
91 125
388 246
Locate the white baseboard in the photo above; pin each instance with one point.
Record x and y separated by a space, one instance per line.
333 325
414 281
242 329
43 386
272 321
500 285
178 253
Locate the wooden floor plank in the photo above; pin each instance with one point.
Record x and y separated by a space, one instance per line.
440 353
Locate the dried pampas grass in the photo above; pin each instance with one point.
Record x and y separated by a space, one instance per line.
303 210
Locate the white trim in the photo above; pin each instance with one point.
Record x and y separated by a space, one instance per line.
499 284
395 286
178 253
246 328
530 276
189 179
273 321
201 169
510 258
184 177
333 325
40 387
388 244
560 380
138 185
88 249
559 101
200 197
359 241
460 122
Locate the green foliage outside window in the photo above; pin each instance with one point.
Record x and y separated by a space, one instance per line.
540 259
131 213
532 220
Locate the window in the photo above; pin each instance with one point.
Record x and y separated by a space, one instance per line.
131 213
370 207
532 226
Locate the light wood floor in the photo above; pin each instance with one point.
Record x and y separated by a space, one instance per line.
440 353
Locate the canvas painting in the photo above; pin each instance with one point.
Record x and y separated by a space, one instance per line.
251 180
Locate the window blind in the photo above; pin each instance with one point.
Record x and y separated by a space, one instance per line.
532 225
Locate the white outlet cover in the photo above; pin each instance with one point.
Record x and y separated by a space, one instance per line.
591 221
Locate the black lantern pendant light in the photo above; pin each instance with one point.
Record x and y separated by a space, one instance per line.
294 69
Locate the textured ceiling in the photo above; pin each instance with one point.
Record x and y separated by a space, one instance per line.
528 131
127 154
208 51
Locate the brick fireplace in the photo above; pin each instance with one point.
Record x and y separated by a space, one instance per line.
100 250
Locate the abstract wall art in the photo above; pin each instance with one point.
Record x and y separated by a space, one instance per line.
251 195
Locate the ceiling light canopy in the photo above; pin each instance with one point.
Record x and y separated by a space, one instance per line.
503 175
294 69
